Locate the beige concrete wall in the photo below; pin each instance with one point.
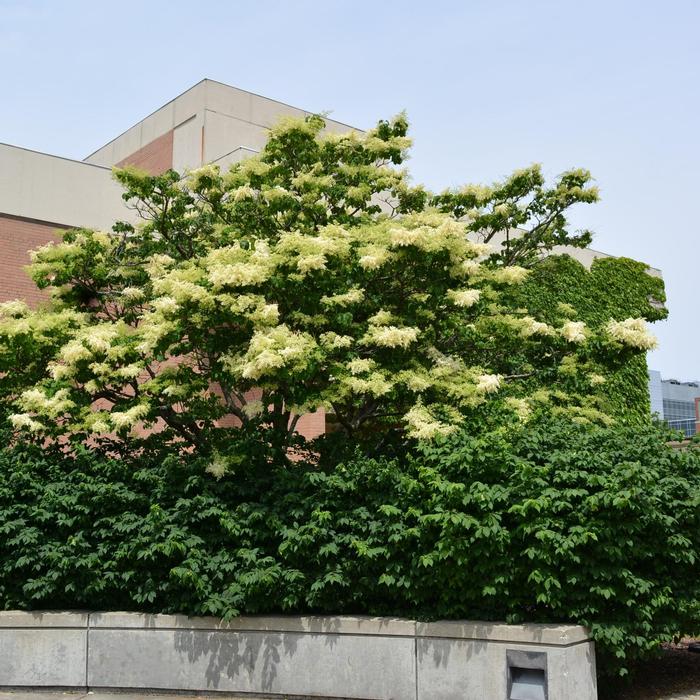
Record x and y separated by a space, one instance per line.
224 133
348 657
187 143
210 121
168 117
57 190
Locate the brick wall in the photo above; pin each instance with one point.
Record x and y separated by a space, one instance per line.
17 237
155 157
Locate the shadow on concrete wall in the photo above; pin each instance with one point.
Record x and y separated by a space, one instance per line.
250 655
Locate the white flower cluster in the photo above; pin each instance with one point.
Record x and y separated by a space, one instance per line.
185 286
374 384
391 336
422 425
464 297
242 193
235 267
381 318
353 296
333 341
479 249
574 331
196 175
513 274
273 349
38 401
13 309
23 421
123 420
308 253
471 267
403 237
632 332
360 365
373 257
133 294
218 467
253 408
488 383
534 327
520 407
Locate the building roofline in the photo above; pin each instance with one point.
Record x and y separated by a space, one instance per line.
143 119
218 82
279 102
53 155
610 255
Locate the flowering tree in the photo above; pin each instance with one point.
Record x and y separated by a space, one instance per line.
311 276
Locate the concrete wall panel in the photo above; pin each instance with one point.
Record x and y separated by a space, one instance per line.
43 649
229 101
271 662
189 103
158 123
223 134
129 142
57 190
335 657
187 145
452 669
266 112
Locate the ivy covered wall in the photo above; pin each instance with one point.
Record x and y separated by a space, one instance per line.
613 288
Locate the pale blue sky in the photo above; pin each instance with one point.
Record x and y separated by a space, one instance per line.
488 86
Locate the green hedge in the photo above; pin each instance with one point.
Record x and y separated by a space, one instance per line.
559 522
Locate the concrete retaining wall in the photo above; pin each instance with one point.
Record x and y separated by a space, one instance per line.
336 657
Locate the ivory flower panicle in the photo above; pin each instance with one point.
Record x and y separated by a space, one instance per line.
422 425
574 331
489 383
391 336
534 327
510 275
464 297
632 332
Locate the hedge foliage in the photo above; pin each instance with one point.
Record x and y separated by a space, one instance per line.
559 522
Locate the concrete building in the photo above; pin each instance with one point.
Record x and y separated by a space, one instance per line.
40 193
676 402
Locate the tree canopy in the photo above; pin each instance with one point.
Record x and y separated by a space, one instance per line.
311 276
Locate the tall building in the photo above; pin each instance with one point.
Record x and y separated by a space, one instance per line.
676 402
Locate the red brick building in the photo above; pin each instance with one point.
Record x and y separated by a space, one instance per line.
40 194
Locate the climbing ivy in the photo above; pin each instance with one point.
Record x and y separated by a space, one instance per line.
613 288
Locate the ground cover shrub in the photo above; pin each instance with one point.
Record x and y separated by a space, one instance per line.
557 521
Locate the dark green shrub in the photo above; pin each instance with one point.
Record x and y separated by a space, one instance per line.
556 522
